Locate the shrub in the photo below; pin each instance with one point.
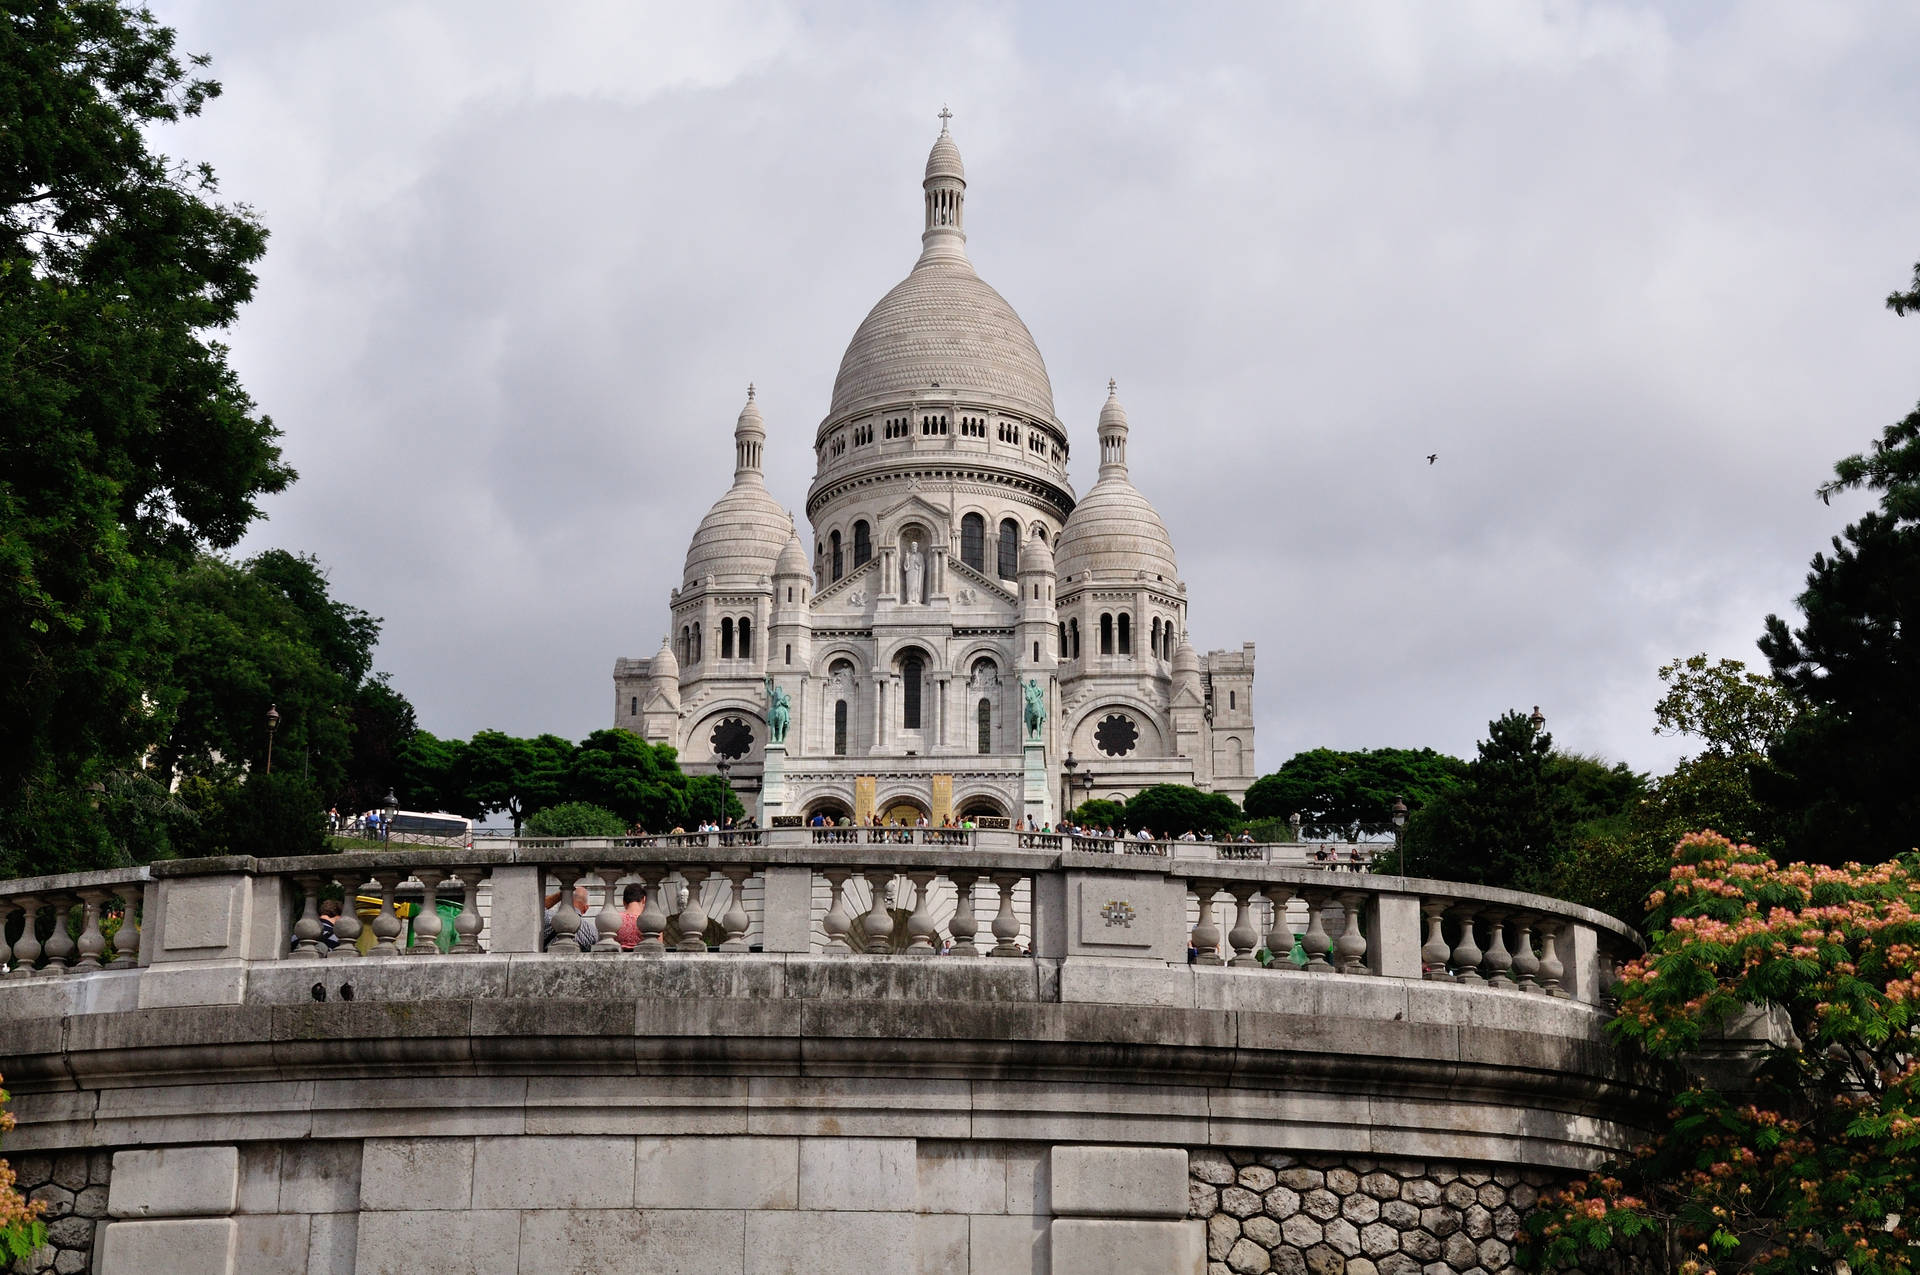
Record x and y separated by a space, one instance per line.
575 819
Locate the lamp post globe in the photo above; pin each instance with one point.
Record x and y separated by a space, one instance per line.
387 810
273 724
1399 835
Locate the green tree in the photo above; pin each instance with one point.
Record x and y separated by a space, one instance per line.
497 771
705 798
1350 794
1842 773
1098 812
575 819
1172 809
429 770
1735 713
265 634
126 442
381 727
1808 1156
619 771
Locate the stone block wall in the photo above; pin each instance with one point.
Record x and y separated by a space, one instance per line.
73 1185
1344 1215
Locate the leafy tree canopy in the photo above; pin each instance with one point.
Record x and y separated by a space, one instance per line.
1734 712
1098 812
1168 810
1810 1157
1350 794
126 442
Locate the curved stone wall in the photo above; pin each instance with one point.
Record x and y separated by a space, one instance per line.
1065 1107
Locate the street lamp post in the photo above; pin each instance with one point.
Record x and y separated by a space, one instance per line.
391 808
1068 764
725 768
1538 719
1400 835
273 724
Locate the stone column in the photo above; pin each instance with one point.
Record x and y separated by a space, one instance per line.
26 953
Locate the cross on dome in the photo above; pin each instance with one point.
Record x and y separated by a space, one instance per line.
945 115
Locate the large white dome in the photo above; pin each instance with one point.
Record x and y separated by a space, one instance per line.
943 325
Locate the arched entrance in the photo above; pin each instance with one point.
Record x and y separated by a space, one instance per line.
906 811
832 809
976 806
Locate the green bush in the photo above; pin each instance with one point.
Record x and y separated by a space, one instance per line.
575 819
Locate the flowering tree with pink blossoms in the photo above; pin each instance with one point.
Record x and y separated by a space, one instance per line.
21 1230
1799 1152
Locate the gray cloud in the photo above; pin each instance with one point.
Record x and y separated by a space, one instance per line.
1620 267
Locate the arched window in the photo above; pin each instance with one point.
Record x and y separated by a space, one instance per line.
696 643
726 639
862 543
1063 640
1009 549
834 540
686 644
986 725
633 706
840 728
1106 633
1126 634
1155 647
910 670
746 638
1073 627
973 541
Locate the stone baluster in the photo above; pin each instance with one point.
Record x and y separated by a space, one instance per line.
693 917
307 930
387 926
1351 949
93 943
1497 960
1552 971
735 919
653 913
1434 952
611 913
921 931
1244 937
1315 941
467 926
839 921
26 953
6 949
1205 939
1006 925
426 922
965 923
877 925
1466 952
1526 965
60 945
347 927
126 939
566 920
1280 933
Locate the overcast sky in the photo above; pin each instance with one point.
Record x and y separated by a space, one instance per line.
1620 266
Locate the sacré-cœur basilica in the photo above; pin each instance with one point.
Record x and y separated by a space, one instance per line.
966 624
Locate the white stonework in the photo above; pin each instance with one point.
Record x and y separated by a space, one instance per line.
951 562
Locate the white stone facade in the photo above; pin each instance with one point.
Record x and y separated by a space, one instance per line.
951 563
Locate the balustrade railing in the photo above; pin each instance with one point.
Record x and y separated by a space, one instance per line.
823 890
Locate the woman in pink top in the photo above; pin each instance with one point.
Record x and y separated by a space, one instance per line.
635 897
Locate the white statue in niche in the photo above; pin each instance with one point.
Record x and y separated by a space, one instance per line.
913 566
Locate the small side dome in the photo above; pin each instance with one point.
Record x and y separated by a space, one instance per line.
793 558
1112 415
665 667
741 537
1185 660
1036 555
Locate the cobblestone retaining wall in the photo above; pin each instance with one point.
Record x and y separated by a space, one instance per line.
73 1185
1316 1215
